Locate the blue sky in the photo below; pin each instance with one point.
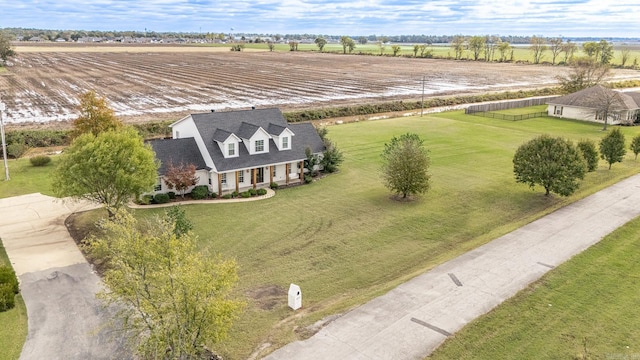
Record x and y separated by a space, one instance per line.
597 18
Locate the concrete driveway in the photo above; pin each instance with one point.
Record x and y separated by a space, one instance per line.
57 284
410 321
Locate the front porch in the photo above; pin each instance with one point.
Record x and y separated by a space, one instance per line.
259 177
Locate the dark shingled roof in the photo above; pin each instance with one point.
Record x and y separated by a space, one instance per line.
586 98
178 151
244 124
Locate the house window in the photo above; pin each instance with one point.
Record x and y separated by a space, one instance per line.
285 142
259 145
232 149
240 176
224 179
158 187
557 110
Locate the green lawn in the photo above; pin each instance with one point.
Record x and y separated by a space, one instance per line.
521 111
26 179
586 308
13 329
345 241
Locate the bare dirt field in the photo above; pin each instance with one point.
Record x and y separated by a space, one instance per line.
160 82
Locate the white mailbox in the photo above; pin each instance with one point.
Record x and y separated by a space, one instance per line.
295 297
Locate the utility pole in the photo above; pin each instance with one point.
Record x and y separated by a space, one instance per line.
422 106
4 144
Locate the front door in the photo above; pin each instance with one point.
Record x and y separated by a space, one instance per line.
259 175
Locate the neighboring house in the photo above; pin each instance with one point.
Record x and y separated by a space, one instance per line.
592 103
237 150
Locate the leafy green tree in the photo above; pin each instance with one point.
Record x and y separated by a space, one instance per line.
95 115
174 299
503 49
476 46
592 49
553 163
177 216
382 47
537 47
405 165
363 40
110 168
416 48
625 54
320 43
396 49
589 153
457 43
635 146
331 157
606 51
347 43
569 49
612 147
6 49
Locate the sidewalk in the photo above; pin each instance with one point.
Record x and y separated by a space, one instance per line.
410 321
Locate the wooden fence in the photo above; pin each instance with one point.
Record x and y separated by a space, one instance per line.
494 115
505 105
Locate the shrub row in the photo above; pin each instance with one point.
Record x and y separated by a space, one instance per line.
8 288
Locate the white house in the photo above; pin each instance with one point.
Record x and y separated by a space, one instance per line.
237 150
592 103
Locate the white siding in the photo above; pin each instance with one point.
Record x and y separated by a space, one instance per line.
259 135
186 128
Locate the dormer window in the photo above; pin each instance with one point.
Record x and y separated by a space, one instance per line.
231 149
285 142
259 145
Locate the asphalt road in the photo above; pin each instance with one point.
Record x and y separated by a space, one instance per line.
66 321
413 319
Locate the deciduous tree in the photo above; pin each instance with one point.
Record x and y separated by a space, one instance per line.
625 54
503 49
589 153
320 43
95 115
347 43
555 45
553 163
569 49
457 43
6 49
173 297
476 46
109 169
180 177
612 147
537 46
396 49
405 165
584 73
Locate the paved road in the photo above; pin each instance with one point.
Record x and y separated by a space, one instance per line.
412 320
57 284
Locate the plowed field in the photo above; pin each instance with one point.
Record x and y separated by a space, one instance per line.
143 83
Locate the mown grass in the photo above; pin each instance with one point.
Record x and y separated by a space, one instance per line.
13 331
521 111
344 240
25 178
586 308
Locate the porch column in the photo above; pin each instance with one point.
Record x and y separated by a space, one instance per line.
237 178
286 170
255 174
219 184
301 170
270 174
